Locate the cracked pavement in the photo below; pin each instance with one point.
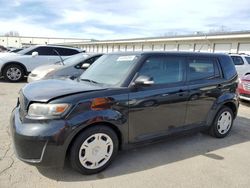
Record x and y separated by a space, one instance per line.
193 161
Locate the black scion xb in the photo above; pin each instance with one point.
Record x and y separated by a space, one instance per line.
122 100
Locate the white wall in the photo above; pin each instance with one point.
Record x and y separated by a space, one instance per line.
244 48
20 41
214 46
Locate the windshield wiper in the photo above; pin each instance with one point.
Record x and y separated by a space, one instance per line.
88 80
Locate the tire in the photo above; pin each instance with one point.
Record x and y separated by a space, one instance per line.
13 73
223 123
89 154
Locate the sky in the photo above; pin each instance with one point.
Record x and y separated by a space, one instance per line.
121 19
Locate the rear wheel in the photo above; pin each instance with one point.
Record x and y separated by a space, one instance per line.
13 73
94 150
223 123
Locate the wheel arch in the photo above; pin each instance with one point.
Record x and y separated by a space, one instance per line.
108 124
231 103
232 106
14 63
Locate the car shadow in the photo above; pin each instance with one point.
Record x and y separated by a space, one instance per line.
159 154
2 80
245 103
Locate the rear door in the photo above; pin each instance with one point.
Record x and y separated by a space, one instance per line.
159 109
204 83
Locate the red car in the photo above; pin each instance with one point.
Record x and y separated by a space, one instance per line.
244 87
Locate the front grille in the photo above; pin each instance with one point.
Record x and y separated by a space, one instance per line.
246 86
245 95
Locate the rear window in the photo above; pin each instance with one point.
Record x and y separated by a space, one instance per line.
237 60
202 68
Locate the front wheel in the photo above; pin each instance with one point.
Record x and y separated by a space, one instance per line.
94 150
223 123
13 73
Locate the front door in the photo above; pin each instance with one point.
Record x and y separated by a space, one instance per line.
158 109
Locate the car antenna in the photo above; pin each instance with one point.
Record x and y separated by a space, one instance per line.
59 55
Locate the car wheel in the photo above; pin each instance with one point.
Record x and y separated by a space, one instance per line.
94 150
13 73
223 123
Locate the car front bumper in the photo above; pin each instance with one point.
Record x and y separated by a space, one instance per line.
39 143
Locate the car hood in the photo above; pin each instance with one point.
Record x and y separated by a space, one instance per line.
246 78
46 90
45 69
8 55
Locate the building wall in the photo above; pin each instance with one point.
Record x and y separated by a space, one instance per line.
224 43
218 46
18 42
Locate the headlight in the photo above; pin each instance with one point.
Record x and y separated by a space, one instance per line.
47 111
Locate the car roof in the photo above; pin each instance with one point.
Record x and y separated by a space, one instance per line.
241 54
171 53
58 46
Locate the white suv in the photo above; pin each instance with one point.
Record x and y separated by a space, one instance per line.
242 63
17 65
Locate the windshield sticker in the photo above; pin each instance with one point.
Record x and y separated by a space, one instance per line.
126 58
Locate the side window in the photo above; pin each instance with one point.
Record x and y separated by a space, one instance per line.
91 60
202 68
163 69
48 51
237 60
248 59
66 51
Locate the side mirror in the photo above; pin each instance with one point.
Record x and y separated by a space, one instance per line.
85 66
144 80
34 54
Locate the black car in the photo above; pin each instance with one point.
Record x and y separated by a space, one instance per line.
122 100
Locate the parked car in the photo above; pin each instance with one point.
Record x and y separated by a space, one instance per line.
2 48
89 119
72 68
15 66
242 63
244 87
15 50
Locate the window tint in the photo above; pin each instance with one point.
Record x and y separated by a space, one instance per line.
91 60
66 51
237 60
42 51
164 70
202 69
248 59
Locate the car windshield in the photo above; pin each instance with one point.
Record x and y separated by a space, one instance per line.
110 69
24 51
75 59
248 59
